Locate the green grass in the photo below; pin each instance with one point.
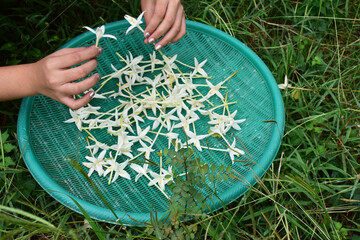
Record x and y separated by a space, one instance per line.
311 190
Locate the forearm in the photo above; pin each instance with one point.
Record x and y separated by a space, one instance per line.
17 81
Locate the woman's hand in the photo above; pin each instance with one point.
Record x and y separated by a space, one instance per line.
163 18
55 79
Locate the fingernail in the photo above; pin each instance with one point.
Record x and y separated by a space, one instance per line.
92 94
100 49
158 47
97 75
146 35
151 40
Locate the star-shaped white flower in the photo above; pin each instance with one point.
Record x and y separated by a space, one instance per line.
142 171
142 135
145 149
135 23
98 145
158 179
77 116
154 61
95 164
117 168
100 33
233 151
195 139
198 67
161 179
214 90
232 123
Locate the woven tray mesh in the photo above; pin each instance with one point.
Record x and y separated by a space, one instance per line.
48 141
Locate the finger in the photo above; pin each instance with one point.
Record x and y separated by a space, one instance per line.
158 15
77 57
80 72
182 31
172 33
65 51
77 103
168 22
148 7
82 86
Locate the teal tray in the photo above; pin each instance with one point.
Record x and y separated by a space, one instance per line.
46 141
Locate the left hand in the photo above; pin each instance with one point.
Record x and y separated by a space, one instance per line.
163 17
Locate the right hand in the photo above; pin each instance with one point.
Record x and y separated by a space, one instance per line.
55 78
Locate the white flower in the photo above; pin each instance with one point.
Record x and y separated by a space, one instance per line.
198 67
118 169
185 122
145 149
213 90
167 173
188 85
123 146
134 22
234 151
171 136
117 74
196 104
170 63
142 135
196 139
161 179
153 82
232 123
167 117
154 61
98 145
99 32
151 101
284 85
140 170
77 116
95 163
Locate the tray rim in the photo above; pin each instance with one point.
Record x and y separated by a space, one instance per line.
104 214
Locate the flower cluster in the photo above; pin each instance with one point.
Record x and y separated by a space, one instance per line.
156 101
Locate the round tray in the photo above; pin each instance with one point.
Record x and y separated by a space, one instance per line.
47 142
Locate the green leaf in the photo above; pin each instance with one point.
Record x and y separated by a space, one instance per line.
166 151
4 136
213 167
26 214
8 147
225 177
228 169
7 162
211 178
177 189
218 177
182 201
222 168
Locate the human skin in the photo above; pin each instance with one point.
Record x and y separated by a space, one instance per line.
163 18
53 77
